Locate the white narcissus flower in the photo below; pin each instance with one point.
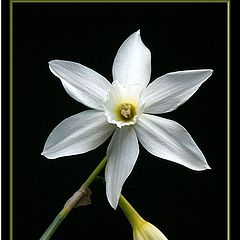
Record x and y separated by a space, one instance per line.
125 107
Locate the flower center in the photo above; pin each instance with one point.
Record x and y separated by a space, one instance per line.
127 111
123 105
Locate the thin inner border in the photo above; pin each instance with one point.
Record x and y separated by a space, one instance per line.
122 1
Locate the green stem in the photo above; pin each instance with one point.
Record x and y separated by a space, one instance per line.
71 203
95 173
133 217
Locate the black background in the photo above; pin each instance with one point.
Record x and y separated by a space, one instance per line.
183 203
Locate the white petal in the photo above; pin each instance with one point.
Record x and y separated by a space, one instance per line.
81 83
122 154
132 64
168 92
169 140
77 134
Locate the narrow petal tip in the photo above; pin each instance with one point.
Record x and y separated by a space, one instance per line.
210 71
203 168
114 206
112 200
51 62
47 155
55 62
208 167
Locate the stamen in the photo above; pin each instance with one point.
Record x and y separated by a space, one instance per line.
126 111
